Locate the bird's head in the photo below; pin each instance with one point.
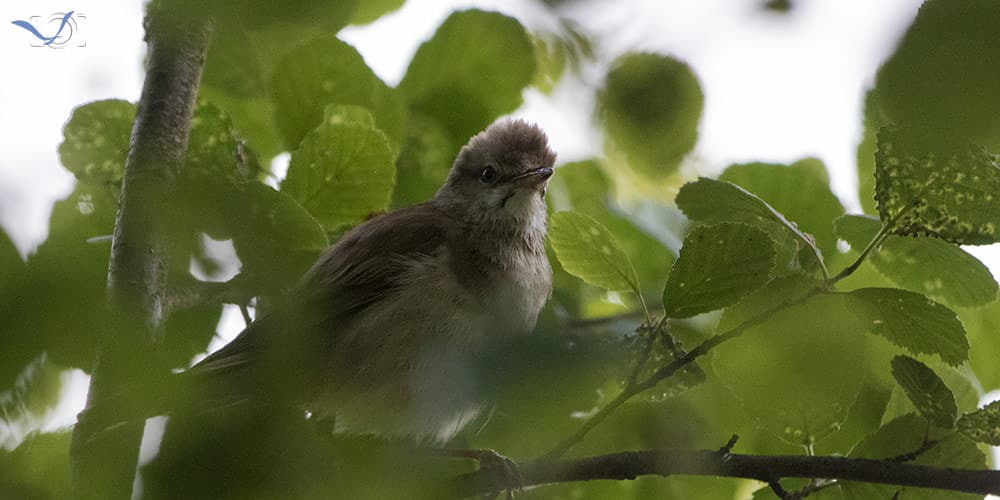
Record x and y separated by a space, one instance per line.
499 177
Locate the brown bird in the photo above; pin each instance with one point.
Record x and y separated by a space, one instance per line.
381 332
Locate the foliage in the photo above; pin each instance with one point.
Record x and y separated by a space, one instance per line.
671 325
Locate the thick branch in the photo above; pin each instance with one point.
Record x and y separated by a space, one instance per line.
137 271
766 468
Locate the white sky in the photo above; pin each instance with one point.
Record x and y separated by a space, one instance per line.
777 88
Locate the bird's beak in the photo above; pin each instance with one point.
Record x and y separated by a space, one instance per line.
536 176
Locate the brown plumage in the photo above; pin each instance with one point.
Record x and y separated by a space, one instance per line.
382 330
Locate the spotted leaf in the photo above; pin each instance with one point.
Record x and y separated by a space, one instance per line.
950 192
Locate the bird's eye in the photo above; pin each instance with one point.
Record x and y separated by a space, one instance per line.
488 175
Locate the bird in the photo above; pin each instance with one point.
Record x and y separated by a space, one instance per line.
381 333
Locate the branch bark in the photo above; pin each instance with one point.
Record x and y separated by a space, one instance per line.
105 468
765 468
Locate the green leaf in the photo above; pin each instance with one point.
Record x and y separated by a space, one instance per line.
470 72
425 158
341 173
718 265
370 10
935 267
710 201
95 141
214 147
982 425
928 393
905 435
912 321
328 71
650 106
800 191
943 77
810 396
336 114
38 468
586 188
951 193
587 250
982 325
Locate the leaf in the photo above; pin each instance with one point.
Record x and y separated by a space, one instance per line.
982 325
943 77
587 250
425 158
370 10
471 71
921 264
950 193
586 188
95 141
38 468
341 173
928 393
982 425
788 372
912 321
328 71
718 265
800 191
650 107
214 147
336 114
709 201
905 435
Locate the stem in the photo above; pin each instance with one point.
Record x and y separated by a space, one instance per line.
876 241
668 370
104 468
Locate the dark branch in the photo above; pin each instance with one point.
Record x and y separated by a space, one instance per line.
765 468
137 278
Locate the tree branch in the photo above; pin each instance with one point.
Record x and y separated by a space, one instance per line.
105 468
765 468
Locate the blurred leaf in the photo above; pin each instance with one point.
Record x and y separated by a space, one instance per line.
590 252
905 435
328 71
718 265
650 106
912 321
37 469
550 63
982 325
214 147
342 173
921 264
926 391
425 159
470 72
943 76
95 141
25 404
275 238
952 194
982 425
188 332
800 192
253 117
370 10
809 396
61 309
709 201
336 114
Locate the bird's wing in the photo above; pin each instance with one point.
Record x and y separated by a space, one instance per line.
367 265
